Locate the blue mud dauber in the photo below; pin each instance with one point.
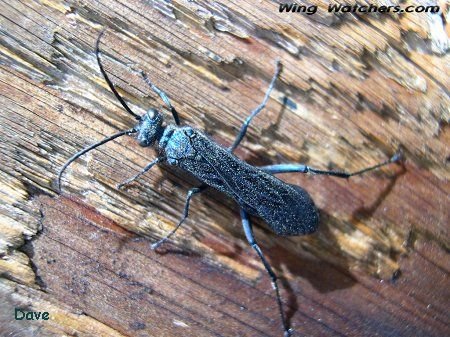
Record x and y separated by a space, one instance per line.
286 208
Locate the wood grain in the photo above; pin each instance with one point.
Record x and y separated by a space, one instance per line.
354 88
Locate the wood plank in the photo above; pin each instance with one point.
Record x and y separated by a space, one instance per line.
353 89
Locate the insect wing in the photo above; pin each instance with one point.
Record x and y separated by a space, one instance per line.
287 209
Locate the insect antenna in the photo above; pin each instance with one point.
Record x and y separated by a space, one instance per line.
87 149
111 86
163 96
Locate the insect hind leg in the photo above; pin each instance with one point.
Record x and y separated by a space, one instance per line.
244 126
252 241
189 196
301 168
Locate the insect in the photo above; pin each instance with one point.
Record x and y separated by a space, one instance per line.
286 208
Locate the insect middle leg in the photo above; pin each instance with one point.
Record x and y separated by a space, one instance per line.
163 96
244 126
252 241
190 194
290 168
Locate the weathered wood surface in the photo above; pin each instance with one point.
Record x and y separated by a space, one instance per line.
354 89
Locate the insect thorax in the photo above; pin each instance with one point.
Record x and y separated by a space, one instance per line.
175 143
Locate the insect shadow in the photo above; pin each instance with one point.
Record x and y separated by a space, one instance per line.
287 209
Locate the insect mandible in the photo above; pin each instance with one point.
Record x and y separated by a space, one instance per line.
286 208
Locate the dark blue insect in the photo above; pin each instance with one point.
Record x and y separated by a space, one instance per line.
286 208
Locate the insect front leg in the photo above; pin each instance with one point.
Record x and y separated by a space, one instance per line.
163 96
244 126
290 168
190 194
252 241
148 167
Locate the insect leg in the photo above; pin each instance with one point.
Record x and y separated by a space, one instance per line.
163 96
244 126
251 240
190 194
148 167
288 168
